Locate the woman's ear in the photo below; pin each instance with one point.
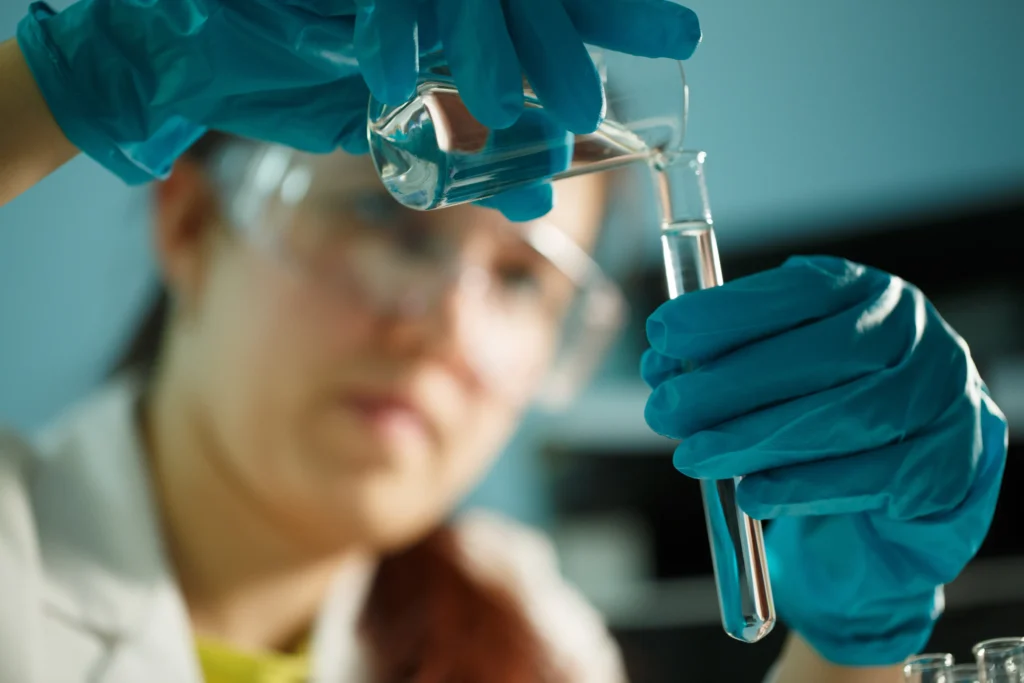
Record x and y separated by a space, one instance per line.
184 225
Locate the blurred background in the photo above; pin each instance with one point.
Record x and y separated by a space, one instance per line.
887 133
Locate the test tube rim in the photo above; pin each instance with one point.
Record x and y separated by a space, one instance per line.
979 648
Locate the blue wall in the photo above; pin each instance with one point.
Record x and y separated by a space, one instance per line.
816 112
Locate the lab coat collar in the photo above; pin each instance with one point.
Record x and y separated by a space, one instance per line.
339 656
98 526
106 571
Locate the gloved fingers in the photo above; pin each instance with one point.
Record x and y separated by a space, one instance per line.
482 58
865 414
556 63
908 480
386 46
656 368
645 28
841 421
316 119
705 324
828 352
541 147
524 203
551 151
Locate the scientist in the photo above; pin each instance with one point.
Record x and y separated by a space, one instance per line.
266 492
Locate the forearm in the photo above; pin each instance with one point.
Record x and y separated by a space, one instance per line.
31 143
800 663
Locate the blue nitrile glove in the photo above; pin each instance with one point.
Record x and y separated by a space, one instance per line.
858 422
531 201
133 83
490 44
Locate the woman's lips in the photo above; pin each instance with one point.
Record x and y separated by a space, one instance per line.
392 416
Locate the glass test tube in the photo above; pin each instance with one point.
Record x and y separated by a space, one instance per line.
1000 660
691 263
928 668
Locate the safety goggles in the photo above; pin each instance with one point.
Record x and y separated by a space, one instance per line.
531 311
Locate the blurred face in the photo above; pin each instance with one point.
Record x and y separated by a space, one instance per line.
355 365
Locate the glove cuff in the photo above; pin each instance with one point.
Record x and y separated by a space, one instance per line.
859 643
853 608
135 162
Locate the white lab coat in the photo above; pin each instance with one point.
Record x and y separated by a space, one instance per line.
87 595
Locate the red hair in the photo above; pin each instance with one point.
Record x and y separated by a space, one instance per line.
428 620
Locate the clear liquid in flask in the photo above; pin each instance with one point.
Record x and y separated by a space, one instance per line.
430 152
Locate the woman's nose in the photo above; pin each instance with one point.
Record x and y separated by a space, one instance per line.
447 319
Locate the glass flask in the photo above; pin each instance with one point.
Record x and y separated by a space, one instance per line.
431 153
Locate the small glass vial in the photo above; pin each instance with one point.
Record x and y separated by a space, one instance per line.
1000 660
929 668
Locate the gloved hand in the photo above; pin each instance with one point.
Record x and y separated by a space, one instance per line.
858 422
489 46
134 82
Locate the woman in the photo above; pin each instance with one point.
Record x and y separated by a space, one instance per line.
327 380
334 373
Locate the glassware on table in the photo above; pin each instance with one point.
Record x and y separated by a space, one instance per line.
929 668
1000 660
964 673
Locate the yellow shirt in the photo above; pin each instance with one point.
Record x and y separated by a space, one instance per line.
222 663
